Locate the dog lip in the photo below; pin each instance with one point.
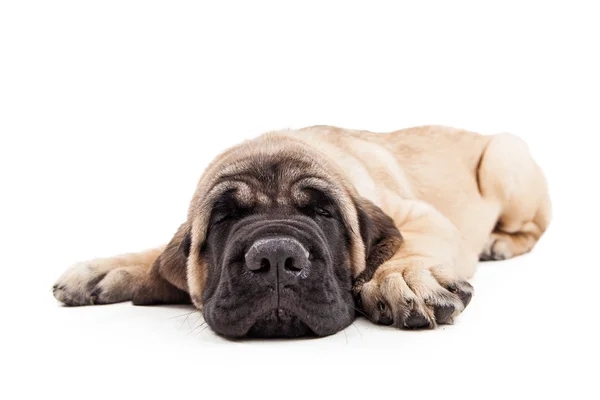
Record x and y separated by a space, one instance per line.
278 315
279 323
267 317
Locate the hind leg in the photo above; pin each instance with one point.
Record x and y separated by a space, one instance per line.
509 176
502 245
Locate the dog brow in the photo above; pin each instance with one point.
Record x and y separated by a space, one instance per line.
299 187
241 190
312 182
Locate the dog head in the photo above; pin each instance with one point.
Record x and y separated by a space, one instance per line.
275 238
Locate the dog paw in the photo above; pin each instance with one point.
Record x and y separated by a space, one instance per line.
496 249
89 283
414 298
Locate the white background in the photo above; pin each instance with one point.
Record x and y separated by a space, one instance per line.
110 110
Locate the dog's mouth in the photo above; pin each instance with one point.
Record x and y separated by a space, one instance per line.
279 323
278 280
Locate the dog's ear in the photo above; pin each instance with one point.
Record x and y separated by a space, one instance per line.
380 236
186 244
167 280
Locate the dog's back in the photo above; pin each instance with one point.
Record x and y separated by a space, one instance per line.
488 186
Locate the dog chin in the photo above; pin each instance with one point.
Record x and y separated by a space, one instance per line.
279 323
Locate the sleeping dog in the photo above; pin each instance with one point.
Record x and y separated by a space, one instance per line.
296 231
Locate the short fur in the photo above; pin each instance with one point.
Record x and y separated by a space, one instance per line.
455 196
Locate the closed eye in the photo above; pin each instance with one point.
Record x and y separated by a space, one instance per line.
226 209
223 218
317 203
323 212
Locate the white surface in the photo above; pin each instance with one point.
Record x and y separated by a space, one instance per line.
109 111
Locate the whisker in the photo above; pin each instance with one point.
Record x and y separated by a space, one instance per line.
202 330
202 324
364 315
186 319
345 334
367 317
181 315
358 330
200 317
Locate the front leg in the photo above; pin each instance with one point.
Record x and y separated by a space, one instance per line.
424 283
155 276
105 280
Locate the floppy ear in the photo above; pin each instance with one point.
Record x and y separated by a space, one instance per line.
167 279
380 236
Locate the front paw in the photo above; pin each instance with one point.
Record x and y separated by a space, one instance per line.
413 298
90 283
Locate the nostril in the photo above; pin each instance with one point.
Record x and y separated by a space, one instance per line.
290 265
270 255
265 265
255 263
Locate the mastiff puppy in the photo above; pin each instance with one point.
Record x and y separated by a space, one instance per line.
294 232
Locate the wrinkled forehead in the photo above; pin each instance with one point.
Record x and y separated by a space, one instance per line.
274 181
273 168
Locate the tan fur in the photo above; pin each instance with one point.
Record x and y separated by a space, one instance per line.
120 276
454 195
475 181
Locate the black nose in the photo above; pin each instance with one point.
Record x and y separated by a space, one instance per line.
277 254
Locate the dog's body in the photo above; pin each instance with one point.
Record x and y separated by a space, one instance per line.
455 197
